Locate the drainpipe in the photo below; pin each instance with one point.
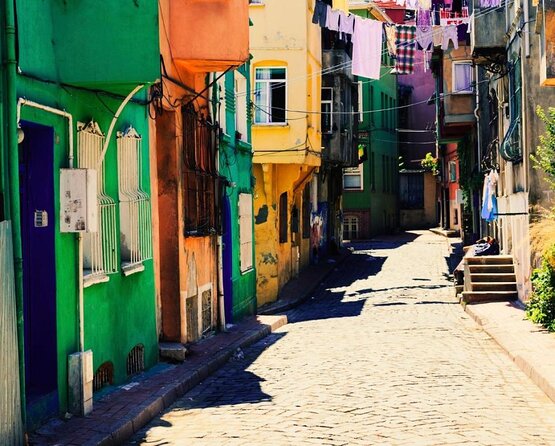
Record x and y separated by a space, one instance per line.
478 139
12 182
113 123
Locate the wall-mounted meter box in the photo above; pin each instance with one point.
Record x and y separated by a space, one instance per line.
78 201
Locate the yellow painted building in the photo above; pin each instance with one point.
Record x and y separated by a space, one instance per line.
286 49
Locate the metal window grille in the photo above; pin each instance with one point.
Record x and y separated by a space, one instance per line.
104 376
201 180
191 311
206 311
99 248
136 360
134 201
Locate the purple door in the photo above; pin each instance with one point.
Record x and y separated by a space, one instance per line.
36 178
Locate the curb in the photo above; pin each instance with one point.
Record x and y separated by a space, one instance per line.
117 431
277 307
541 372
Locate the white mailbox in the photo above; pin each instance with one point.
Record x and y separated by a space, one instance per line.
78 202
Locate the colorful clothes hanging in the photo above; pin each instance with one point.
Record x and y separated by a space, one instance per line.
320 13
424 37
489 200
390 34
367 48
437 35
332 20
450 34
406 48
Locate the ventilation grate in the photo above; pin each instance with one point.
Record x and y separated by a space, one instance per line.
206 311
104 376
136 360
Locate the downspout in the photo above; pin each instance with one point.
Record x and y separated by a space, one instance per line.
113 123
12 179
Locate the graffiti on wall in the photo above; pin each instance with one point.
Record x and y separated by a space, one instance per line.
318 237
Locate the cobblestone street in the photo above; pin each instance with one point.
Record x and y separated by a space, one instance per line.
382 354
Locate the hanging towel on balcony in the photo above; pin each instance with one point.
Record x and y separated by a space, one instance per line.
406 47
367 48
320 13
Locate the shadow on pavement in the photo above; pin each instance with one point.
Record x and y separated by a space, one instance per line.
385 242
216 391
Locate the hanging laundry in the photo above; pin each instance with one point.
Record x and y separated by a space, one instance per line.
490 3
332 20
367 48
423 17
470 24
320 13
425 4
400 2
390 34
489 200
450 34
346 24
341 5
424 37
411 4
406 47
437 35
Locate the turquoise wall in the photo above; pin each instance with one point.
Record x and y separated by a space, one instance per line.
89 44
236 166
380 170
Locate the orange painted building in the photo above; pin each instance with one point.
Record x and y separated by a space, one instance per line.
184 164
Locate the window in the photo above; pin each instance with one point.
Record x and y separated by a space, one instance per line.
350 227
371 105
307 208
136 360
384 175
245 232
134 203
452 172
352 178
373 171
200 138
411 194
382 108
270 95
360 101
511 146
283 218
99 248
327 108
242 106
462 78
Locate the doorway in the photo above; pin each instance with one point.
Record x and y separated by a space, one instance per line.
36 167
227 262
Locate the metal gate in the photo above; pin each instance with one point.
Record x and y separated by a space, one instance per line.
11 426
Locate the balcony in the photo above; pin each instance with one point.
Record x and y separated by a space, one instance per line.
488 36
209 35
103 45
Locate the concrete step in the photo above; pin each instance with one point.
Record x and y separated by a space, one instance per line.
474 297
493 277
493 286
508 268
490 260
172 351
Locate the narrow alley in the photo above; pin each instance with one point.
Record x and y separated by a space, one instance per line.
382 354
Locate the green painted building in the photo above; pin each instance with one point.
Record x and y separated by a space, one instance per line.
370 204
232 107
79 99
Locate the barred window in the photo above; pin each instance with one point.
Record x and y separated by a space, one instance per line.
200 138
99 248
134 203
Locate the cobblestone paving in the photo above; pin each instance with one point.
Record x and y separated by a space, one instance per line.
382 355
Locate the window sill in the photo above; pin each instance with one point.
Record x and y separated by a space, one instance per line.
270 124
90 279
131 268
257 4
247 271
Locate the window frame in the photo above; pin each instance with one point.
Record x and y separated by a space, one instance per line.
348 220
330 103
267 112
245 264
452 171
454 77
357 171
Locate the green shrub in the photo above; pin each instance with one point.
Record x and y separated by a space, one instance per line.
541 307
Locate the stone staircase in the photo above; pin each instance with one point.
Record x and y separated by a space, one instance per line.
489 279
